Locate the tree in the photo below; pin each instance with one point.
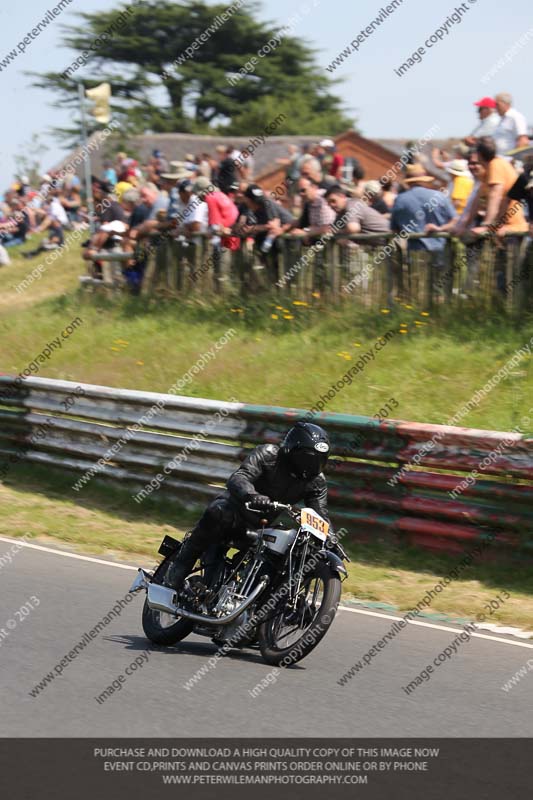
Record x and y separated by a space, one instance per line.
144 58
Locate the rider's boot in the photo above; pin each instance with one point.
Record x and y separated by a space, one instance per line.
189 553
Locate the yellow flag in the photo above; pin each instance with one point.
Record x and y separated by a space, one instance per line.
100 95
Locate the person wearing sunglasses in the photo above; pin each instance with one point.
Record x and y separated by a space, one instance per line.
317 217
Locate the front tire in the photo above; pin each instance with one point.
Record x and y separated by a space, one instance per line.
158 626
320 609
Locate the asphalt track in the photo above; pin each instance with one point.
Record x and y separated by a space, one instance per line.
463 697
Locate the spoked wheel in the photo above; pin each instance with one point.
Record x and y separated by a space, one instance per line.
297 628
160 627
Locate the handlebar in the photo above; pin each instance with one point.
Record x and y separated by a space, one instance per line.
295 514
273 504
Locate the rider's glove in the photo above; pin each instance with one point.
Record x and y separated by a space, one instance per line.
260 501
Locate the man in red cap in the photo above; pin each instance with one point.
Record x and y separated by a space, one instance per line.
488 120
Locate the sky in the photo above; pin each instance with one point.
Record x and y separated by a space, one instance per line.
437 91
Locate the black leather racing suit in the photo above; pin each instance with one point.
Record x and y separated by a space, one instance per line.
263 472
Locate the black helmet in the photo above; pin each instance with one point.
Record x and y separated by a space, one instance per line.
306 448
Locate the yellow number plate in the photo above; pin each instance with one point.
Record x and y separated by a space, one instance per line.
314 521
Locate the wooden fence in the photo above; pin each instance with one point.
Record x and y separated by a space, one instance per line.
96 432
372 269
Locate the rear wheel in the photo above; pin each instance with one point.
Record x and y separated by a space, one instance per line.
160 627
291 633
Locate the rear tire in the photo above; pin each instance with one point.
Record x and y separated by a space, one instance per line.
311 636
157 625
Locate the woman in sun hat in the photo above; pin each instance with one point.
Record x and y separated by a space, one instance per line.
462 183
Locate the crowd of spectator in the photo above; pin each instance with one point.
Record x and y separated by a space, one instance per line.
51 207
215 195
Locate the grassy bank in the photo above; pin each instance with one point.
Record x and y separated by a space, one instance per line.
282 353
103 521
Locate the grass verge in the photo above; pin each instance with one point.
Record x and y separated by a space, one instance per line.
431 369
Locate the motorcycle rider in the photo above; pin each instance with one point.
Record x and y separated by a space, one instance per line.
287 473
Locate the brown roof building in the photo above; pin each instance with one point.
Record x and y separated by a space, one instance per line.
375 156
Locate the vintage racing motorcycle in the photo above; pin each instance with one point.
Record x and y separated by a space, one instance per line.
278 589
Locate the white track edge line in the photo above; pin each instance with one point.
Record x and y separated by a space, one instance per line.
67 555
436 627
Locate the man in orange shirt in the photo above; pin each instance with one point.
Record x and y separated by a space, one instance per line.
503 215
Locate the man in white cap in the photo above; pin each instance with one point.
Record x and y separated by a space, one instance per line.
512 129
333 162
373 196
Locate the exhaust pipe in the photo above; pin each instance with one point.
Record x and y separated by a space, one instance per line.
142 581
164 599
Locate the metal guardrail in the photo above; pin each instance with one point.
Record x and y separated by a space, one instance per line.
369 492
375 269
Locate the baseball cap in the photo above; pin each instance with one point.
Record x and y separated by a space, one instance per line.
373 187
327 143
202 185
486 102
254 192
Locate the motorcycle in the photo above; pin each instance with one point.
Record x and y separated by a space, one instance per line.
279 591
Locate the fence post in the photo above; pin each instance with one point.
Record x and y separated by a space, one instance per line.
152 268
173 252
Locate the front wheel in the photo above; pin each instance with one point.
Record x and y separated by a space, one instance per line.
159 627
295 629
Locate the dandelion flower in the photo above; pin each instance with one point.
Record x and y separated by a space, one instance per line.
385 310
424 313
288 316
274 316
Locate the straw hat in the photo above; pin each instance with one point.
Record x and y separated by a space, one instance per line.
415 173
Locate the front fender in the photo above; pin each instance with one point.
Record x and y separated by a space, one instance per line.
334 562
